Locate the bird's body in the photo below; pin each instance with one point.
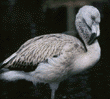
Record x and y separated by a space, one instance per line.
52 58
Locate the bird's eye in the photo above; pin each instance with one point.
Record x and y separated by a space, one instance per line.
93 17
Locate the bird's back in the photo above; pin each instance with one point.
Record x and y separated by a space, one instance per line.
41 48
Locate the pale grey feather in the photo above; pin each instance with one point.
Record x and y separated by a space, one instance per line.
40 48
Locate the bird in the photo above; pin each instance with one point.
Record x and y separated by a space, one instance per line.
52 58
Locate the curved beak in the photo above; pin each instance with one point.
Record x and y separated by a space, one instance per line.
95 29
95 33
92 38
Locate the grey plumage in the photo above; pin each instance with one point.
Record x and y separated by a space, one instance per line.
52 58
38 49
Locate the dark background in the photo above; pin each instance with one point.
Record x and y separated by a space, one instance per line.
16 25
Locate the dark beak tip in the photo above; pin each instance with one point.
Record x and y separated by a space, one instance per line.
92 38
94 33
89 42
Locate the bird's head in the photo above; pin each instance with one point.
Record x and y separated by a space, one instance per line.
90 16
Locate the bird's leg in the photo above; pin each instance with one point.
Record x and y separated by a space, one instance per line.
53 87
53 94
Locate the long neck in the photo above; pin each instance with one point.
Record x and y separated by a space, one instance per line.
87 59
93 53
91 57
93 48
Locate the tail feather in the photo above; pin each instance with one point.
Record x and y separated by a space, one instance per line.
6 61
2 65
9 58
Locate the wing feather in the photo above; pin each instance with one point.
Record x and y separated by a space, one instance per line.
38 49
